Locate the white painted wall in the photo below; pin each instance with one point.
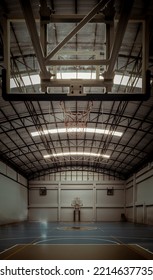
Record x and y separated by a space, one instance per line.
134 198
13 196
139 197
56 205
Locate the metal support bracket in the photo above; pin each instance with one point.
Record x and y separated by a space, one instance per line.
64 97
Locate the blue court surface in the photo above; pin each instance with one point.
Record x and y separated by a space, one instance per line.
31 235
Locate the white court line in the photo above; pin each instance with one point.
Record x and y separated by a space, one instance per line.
83 238
5 250
134 237
147 250
18 238
100 229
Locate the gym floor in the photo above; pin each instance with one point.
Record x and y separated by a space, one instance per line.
57 240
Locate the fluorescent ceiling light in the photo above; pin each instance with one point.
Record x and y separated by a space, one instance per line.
77 130
76 154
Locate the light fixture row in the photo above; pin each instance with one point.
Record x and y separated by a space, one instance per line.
77 130
76 154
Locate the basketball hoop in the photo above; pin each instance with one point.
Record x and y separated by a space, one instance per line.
76 122
77 203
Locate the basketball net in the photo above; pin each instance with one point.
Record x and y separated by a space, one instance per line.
76 122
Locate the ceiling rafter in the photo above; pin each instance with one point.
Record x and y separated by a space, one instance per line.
144 135
126 120
26 129
100 170
13 164
129 150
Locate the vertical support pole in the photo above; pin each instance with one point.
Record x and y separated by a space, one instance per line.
28 199
109 39
6 30
73 215
43 37
125 199
145 52
144 213
97 69
55 69
134 199
94 202
59 202
109 42
44 19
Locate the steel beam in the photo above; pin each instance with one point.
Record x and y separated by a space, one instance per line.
121 28
44 13
76 18
145 51
86 19
83 82
64 97
6 40
43 37
31 25
79 52
75 62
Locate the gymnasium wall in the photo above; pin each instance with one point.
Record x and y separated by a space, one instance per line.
63 187
13 196
139 197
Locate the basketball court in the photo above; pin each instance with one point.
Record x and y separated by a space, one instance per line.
76 130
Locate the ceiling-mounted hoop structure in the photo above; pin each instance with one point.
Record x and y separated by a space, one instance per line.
45 59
